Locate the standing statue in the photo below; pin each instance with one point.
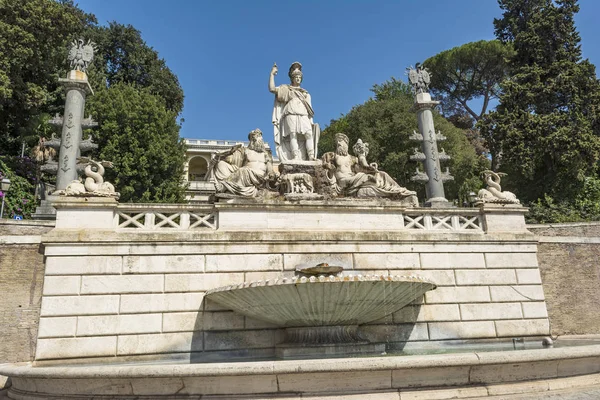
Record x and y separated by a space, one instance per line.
243 171
419 78
353 176
81 55
296 136
493 193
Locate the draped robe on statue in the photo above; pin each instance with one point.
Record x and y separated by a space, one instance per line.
292 112
361 184
241 173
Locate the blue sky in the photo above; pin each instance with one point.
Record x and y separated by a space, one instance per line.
222 51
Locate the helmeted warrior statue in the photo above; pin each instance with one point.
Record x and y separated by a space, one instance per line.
296 135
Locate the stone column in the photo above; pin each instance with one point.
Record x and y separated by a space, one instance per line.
435 184
77 88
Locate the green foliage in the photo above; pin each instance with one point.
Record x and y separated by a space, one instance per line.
585 206
19 200
548 210
33 43
548 119
386 121
465 73
34 40
141 137
588 200
124 57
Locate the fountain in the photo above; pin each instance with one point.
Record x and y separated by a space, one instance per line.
321 313
186 301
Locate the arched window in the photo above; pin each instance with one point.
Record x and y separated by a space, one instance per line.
198 166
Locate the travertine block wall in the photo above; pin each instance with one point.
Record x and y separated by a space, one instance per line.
568 257
21 279
115 294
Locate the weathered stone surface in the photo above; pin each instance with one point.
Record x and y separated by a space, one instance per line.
534 310
395 333
452 260
428 312
57 327
62 285
570 278
157 343
517 293
55 306
169 302
76 347
443 376
200 282
153 264
511 260
485 277
122 284
528 276
21 282
96 265
224 340
490 311
523 327
244 262
459 294
335 381
461 330
119 324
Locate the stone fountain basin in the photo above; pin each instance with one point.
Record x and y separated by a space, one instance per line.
322 300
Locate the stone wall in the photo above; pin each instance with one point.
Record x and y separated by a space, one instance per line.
569 259
21 280
113 293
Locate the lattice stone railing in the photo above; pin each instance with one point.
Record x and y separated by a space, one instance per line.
169 217
454 222
165 217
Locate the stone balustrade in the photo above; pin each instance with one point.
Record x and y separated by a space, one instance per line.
104 213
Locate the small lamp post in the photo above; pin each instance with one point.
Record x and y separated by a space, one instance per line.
4 187
472 198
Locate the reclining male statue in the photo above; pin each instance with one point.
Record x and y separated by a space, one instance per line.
243 171
353 176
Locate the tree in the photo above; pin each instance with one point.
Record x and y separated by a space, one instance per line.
141 137
124 57
548 117
465 76
33 39
386 121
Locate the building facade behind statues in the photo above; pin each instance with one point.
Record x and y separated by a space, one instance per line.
353 176
243 171
296 135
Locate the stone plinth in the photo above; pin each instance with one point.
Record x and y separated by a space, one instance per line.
304 180
85 212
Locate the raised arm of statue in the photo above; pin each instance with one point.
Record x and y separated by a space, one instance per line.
272 87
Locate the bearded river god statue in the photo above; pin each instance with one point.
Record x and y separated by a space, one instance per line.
296 135
243 171
354 177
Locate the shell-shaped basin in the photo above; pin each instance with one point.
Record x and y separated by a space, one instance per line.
322 300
